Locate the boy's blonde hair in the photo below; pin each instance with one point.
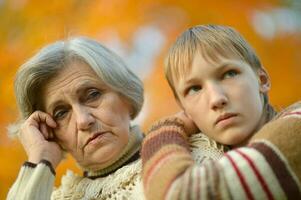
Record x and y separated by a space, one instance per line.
214 42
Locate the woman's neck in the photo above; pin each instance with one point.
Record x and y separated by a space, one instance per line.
128 155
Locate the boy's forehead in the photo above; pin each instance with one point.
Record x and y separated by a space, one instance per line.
184 69
201 65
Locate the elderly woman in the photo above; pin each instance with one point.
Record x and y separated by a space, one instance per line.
76 96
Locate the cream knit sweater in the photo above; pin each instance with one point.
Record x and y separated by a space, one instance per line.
36 182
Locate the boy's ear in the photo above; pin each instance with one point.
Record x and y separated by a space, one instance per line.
264 80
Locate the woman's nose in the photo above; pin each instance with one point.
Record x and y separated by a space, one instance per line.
217 97
84 118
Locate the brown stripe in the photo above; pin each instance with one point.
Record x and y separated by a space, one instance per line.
29 164
152 145
216 180
280 169
167 122
47 163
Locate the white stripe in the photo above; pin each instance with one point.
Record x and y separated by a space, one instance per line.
250 178
173 191
203 183
266 172
194 180
185 187
232 178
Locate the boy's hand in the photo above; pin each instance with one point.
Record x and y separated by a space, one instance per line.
189 125
38 140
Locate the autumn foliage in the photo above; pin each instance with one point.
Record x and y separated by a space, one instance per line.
27 25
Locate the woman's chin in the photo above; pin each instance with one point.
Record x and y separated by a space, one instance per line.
98 163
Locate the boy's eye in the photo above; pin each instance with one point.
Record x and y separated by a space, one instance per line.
193 89
230 74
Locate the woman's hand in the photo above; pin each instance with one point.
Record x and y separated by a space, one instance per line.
38 139
189 125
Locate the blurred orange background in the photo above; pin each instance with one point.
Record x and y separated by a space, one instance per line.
141 32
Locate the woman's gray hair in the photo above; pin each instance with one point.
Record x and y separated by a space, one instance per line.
110 68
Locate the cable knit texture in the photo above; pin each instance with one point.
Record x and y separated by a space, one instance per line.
125 183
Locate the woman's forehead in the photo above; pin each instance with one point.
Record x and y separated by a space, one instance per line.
71 80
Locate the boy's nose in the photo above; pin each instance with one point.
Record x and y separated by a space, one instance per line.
84 118
217 97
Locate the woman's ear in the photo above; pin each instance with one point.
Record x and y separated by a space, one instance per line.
264 80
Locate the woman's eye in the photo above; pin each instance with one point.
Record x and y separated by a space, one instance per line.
59 114
230 74
93 94
193 89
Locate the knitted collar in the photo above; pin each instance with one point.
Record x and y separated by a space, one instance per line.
129 154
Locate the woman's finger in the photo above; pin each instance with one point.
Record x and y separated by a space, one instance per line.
43 117
44 131
50 133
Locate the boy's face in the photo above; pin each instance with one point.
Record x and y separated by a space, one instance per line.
223 99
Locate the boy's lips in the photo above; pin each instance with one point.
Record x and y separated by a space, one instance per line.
224 117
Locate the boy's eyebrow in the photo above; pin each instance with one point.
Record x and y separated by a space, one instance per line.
230 63
219 67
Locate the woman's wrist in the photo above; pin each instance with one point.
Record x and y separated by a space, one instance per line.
45 162
36 158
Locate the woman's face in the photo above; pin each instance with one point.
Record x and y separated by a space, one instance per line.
93 120
224 99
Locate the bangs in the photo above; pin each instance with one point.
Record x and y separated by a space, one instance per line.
180 57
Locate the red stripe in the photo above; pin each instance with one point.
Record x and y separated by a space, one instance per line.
159 161
155 163
154 144
291 113
241 178
258 175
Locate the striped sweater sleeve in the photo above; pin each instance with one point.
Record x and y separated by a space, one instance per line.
34 182
269 168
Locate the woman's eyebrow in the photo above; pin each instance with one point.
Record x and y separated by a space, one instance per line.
84 85
53 105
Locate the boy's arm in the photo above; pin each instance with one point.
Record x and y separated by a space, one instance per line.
34 182
269 168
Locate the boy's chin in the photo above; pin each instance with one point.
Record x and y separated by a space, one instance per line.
235 140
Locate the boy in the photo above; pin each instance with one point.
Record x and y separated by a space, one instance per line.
222 88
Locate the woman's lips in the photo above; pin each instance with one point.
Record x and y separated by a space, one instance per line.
95 137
